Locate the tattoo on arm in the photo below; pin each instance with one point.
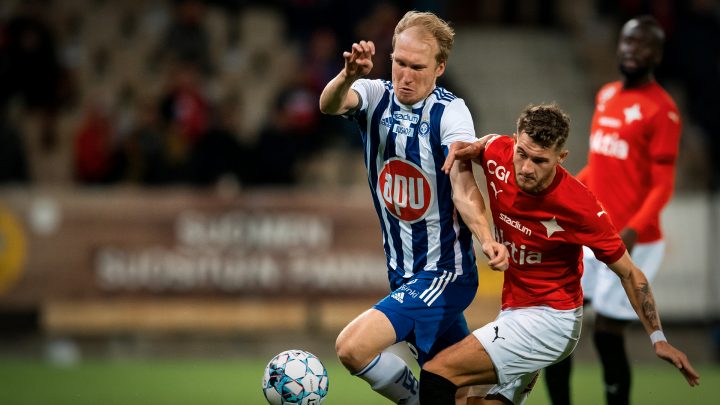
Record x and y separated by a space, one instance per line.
647 303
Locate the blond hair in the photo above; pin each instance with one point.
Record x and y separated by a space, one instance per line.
434 25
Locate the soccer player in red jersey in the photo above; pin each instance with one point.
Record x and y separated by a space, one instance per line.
545 217
631 170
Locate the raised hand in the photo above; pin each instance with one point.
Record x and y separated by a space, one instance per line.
667 352
358 62
461 151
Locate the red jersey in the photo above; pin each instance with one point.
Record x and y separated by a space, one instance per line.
633 148
545 232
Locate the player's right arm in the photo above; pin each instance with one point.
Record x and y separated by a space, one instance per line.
641 297
470 205
336 98
461 150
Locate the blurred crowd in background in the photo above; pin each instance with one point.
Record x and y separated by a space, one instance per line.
166 92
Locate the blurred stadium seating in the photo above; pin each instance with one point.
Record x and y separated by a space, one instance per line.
159 113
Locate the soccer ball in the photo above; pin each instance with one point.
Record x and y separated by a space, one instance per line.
295 377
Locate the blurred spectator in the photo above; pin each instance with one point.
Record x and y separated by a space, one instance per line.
289 137
144 148
186 40
30 68
94 152
219 153
321 62
184 103
13 159
184 111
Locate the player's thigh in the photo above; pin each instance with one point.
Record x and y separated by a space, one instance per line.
464 363
366 336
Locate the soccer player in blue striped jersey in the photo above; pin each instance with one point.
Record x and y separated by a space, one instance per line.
427 217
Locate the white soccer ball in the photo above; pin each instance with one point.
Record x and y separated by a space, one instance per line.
295 377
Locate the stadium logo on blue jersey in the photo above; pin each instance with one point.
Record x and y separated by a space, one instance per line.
402 116
424 128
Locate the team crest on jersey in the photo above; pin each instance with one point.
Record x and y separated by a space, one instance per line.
424 128
387 121
405 189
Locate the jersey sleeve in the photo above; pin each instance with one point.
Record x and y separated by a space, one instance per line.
665 128
665 136
370 92
456 123
598 232
493 147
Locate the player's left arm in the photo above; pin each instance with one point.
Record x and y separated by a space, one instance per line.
456 126
665 128
471 206
640 294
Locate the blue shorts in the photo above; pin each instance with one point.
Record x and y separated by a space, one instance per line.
426 310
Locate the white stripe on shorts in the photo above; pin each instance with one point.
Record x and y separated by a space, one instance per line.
437 287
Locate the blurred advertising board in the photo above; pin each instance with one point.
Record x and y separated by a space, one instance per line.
117 242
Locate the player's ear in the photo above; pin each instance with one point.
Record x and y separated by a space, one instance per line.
440 69
563 155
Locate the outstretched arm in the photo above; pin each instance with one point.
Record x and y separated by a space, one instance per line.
641 297
470 204
336 97
465 151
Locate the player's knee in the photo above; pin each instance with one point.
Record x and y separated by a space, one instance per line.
348 354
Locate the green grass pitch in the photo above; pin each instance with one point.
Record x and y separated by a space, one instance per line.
237 381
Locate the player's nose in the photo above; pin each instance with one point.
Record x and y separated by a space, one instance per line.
527 168
405 76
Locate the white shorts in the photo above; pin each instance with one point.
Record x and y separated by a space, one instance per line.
522 341
603 287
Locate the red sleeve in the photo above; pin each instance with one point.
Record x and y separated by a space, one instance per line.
663 179
598 232
663 151
496 141
606 243
665 129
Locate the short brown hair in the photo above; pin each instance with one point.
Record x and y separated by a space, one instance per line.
546 124
436 26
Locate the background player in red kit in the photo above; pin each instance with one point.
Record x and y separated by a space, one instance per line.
631 170
545 217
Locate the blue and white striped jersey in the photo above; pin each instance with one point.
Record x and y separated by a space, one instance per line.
405 147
